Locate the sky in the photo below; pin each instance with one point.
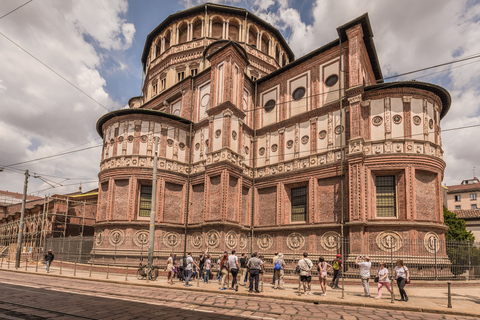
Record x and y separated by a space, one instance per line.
65 63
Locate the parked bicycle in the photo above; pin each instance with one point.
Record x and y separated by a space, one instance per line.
145 272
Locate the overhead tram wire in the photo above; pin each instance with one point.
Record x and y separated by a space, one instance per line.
15 9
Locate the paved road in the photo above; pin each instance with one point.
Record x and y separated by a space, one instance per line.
30 296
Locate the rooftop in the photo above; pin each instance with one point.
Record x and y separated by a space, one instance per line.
9 198
466 185
467 214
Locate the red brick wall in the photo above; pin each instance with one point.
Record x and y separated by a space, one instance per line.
425 186
267 206
215 197
197 204
173 202
245 212
232 198
102 210
121 200
329 203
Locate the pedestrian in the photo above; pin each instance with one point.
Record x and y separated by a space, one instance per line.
208 267
181 271
223 267
365 267
279 272
306 266
254 265
49 259
190 264
382 280
337 271
403 277
262 269
169 268
218 267
275 257
243 269
234 266
323 269
201 263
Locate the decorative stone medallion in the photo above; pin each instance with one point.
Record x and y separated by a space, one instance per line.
431 242
234 135
144 138
140 238
111 141
265 241
196 240
197 146
120 139
322 134
170 142
304 139
116 237
99 238
289 144
377 120
295 241
171 239
181 145
205 100
261 151
397 119
430 123
213 238
417 120
339 129
274 148
389 241
218 133
130 138
231 239
330 240
243 240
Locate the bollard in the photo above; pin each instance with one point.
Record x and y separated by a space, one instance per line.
126 274
261 287
26 264
108 267
36 266
449 296
90 274
75 269
61 264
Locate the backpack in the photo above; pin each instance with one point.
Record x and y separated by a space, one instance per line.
335 265
277 266
297 269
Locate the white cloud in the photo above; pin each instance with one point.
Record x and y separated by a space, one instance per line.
41 113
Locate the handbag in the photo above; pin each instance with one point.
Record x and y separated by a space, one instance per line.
408 281
377 278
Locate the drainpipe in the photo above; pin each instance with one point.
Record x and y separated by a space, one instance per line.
254 153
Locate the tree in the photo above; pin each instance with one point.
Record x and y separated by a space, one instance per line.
457 230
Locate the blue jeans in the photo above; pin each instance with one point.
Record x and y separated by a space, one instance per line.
218 275
48 265
207 276
189 275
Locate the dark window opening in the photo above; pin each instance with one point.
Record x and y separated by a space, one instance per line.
145 201
269 106
386 198
331 81
299 204
298 93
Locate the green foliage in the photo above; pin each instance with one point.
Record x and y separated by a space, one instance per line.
457 230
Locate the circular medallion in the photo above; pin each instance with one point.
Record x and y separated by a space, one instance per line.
269 106
231 239
295 241
140 238
171 239
322 134
130 138
144 138
431 242
331 80
116 237
111 141
304 139
298 93
99 237
274 148
170 142
234 135
330 241
196 240
430 123
377 120
218 133
243 240
213 238
289 144
389 241
261 151
197 146
397 119
339 129
205 100
265 241
417 120
181 145
246 150
120 139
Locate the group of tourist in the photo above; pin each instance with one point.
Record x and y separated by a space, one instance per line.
253 268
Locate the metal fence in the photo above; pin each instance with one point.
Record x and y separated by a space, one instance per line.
435 260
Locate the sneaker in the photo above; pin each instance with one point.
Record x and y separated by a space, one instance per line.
232 288
306 293
223 289
281 288
323 294
406 299
310 293
378 298
331 285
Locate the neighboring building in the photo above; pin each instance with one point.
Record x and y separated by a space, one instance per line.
464 200
11 201
255 142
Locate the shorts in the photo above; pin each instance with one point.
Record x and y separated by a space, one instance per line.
307 279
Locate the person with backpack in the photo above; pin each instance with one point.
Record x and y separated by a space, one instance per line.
382 280
365 267
49 259
323 269
275 257
223 267
337 271
279 272
306 266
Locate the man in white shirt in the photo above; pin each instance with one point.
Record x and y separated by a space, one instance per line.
365 267
233 266
189 268
306 266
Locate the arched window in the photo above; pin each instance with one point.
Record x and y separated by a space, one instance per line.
157 50
233 30
167 39
264 44
217 28
182 33
277 54
252 37
197 29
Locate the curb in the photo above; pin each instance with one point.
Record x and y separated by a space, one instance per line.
265 295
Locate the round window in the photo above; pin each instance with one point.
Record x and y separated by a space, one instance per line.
269 106
331 81
298 93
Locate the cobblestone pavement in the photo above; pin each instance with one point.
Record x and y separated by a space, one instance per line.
34 296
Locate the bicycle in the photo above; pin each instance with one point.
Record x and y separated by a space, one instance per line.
145 272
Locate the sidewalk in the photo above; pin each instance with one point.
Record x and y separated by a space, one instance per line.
423 297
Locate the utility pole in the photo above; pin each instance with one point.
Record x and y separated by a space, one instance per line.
22 217
151 241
